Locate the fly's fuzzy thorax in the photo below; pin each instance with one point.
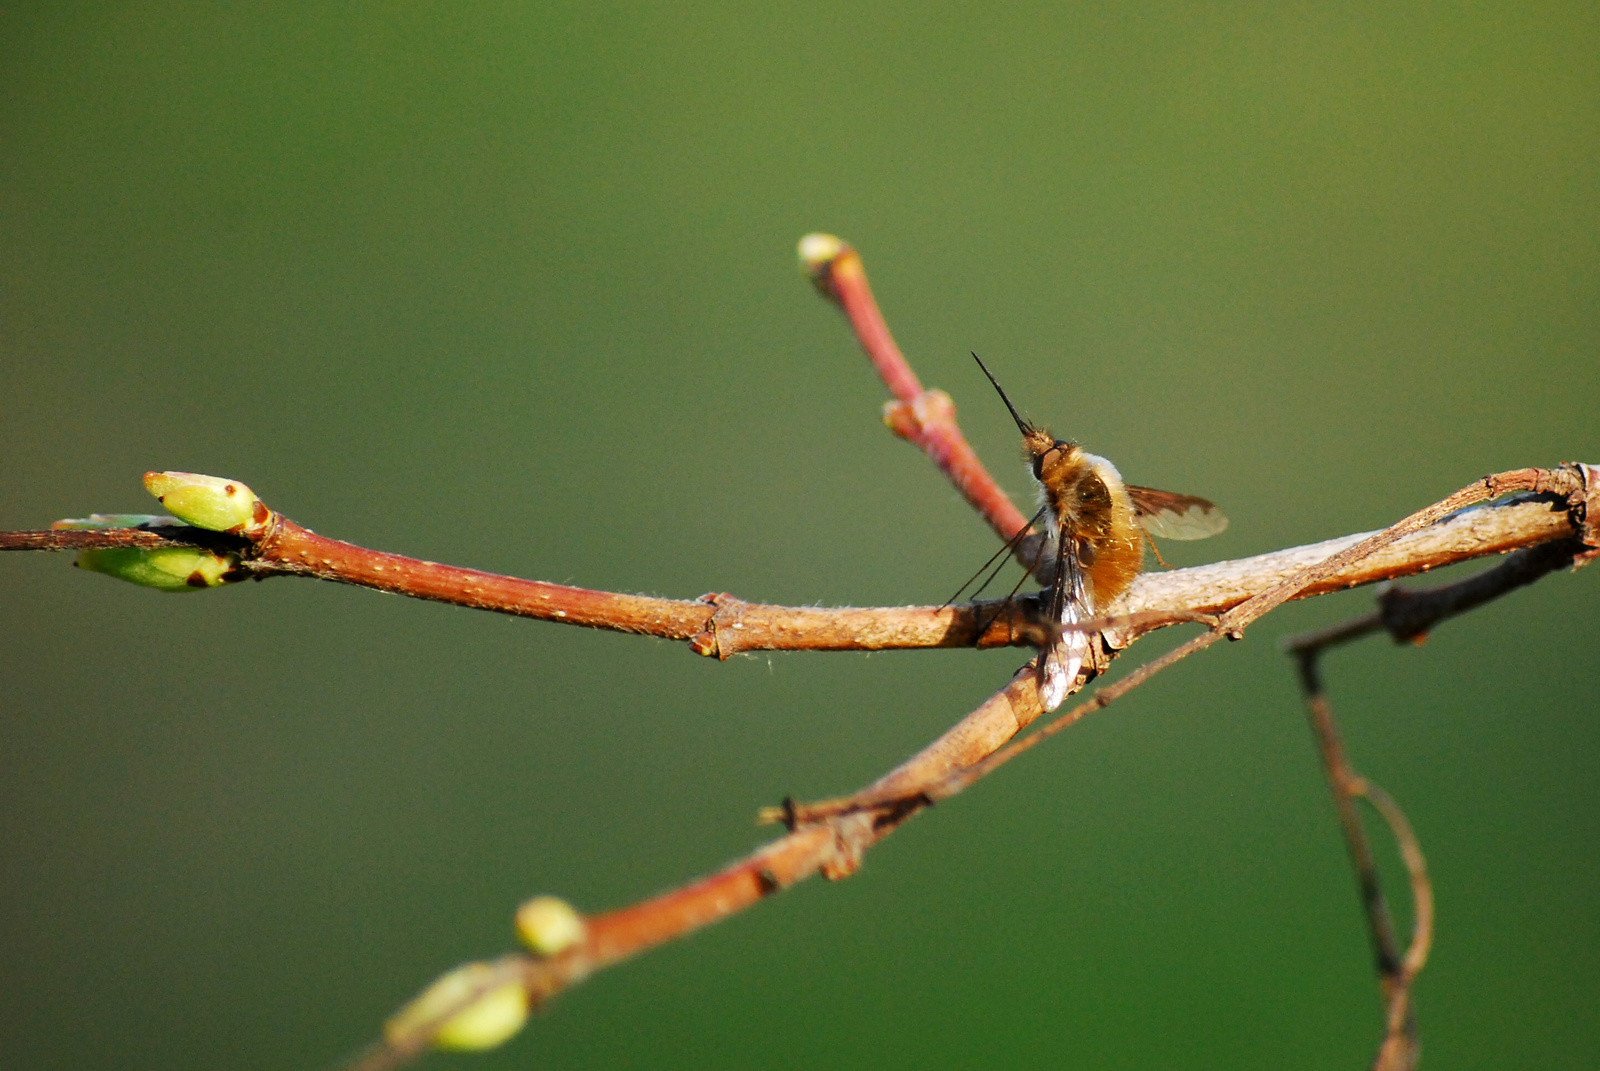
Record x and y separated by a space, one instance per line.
1086 495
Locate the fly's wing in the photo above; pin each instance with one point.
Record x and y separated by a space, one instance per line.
1070 599
1168 515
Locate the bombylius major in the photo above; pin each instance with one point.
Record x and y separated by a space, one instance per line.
1093 520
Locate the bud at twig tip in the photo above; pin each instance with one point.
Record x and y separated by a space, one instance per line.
210 502
549 925
473 1007
817 251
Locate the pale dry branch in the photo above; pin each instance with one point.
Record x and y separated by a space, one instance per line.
929 778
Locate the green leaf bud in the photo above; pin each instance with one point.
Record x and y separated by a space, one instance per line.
481 1005
549 925
169 569
209 502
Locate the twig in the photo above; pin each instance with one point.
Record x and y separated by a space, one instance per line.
935 782
722 625
1399 1049
1408 616
618 935
832 838
924 418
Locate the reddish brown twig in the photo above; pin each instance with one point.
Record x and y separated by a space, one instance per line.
723 625
614 936
717 625
924 418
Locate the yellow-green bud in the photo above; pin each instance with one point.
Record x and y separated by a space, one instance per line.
99 521
169 569
209 502
549 925
482 1005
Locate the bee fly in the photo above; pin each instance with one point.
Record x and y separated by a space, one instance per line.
1093 521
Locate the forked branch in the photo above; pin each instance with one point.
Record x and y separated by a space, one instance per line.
1407 615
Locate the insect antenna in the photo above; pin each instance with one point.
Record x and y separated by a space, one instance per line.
1022 425
1011 545
1034 564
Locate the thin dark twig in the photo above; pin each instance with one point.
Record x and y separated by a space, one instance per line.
1399 1049
1347 786
1416 956
1409 614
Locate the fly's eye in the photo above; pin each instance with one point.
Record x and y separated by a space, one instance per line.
1062 444
1038 467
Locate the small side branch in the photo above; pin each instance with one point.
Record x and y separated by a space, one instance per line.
1399 1050
924 418
1408 616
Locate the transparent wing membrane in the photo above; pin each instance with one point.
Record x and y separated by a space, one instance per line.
1169 515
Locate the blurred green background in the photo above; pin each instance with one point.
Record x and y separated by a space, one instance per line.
513 286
